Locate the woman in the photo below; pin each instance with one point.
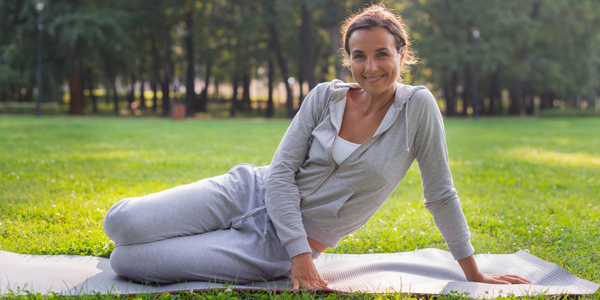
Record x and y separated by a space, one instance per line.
342 156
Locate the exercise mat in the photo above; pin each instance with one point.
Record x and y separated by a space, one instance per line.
426 272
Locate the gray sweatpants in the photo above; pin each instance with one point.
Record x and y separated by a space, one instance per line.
216 229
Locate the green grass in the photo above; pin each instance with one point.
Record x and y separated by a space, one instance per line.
530 184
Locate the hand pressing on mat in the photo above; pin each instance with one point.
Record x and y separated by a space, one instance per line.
469 266
305 274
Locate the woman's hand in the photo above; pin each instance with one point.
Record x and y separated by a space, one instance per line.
305 274
500 279
472 273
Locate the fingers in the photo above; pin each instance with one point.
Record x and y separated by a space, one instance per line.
516 279
323 282
317 283
505 279
304 274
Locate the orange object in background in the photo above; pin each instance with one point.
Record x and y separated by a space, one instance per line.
178 111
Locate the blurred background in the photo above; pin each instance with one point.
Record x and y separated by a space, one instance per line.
259 58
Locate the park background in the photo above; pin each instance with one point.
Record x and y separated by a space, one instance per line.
260 58
528 177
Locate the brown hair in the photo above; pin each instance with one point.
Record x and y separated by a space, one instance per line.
378 16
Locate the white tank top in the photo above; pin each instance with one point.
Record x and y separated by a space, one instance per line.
341 149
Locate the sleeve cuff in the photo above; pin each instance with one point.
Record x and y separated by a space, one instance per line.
461 250
298 246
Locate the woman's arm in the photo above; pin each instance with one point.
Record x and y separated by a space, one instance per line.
429 147
282 195
438 188
469 266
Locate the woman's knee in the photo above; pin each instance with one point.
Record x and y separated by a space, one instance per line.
120 222
123 263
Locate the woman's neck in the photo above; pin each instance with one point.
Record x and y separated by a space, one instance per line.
370 104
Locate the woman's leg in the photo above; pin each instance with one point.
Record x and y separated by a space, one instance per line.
216 228
240 254
207 205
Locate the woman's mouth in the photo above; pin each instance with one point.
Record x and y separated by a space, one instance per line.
373 79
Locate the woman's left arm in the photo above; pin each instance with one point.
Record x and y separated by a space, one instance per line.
429 147
438 188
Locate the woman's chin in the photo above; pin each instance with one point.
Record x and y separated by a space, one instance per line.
376 89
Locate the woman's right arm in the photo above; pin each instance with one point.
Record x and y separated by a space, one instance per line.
282 195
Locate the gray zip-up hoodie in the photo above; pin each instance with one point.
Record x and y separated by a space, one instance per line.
310 194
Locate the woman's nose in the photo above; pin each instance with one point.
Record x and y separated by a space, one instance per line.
371 65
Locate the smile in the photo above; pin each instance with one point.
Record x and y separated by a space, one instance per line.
374 79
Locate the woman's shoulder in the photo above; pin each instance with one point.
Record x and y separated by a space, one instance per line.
413 96
418 95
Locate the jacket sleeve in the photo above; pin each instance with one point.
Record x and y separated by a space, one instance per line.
282 195
438 188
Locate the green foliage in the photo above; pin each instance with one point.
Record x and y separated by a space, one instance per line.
525 184
549 49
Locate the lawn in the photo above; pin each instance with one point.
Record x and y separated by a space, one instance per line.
530 184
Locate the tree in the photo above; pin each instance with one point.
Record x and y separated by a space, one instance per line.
78 28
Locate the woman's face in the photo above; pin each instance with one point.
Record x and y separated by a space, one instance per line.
374 60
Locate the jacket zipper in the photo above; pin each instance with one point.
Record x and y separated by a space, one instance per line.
323 183
338 166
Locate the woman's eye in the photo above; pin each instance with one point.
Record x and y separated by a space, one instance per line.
382 54
357 56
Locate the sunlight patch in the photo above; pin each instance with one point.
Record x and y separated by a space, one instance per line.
541 156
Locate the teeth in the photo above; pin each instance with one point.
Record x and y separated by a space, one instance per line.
373 78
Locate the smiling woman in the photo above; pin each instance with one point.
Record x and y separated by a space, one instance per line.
379 17
341 158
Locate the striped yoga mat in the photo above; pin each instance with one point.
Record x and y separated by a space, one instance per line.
427 272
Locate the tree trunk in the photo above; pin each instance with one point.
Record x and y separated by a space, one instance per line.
142 98
190 91
154 88
235 106
29 94
515 97
107 96
529 107
216 84
19 94
141 90
155 76
8 97
450 94
3 93
577 101
166 100
204 95
90 86
545 101
131 92
246 103
495 92
115 96
306 47
76 103
467 94
281 61
270 76
301 85
167 75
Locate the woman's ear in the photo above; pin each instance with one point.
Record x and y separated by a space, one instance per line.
402 54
